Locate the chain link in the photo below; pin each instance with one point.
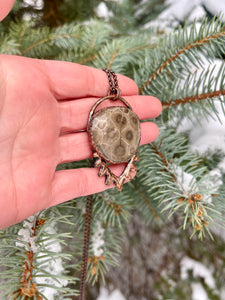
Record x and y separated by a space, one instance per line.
113 82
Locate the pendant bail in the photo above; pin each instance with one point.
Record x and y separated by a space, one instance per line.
116 93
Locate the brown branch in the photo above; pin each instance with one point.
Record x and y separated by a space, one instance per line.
141 48
28 288
93 42
112 58
117 207
47 40
87 59
91 58
22 33
163 159
198 220
195 98
128 51
94 261
177 54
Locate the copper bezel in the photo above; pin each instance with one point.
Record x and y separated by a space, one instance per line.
100 160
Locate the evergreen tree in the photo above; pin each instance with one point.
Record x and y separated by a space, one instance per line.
172 213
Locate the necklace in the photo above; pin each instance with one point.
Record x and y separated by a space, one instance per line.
114 134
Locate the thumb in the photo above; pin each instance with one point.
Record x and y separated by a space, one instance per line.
5 7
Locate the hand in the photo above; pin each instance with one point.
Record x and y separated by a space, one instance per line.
42 104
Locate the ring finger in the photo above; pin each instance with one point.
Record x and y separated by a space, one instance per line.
74 113
76 146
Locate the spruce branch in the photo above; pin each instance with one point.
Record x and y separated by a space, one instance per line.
184 47
117 207
114 212
28 288
107 228
177 186
195 98
104 250
165 163
114 54
61 38
146 201
86 60
120 52
201 90
32 257
42 42
92 39
8 46
178 53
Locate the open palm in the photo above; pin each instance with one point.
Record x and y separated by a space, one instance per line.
44 107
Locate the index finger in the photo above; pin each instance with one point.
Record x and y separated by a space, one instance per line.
70 81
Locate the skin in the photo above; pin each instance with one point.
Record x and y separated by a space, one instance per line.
44 105
5 7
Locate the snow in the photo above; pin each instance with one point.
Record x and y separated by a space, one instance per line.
102 11
197 14
180 10
25 235
53 266
198 269
214 6
211 182
105 295
38 4
175 12
201 271
198 292
185 181
221 165
208 135
97 239
222 294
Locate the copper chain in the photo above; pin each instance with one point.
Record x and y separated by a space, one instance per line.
113 81
87 231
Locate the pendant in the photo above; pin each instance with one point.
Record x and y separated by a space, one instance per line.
114 134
